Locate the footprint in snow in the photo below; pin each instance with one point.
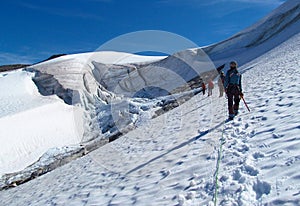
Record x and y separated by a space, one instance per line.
236 174
285 105
276 136
250 170
244 148
237 124
165 173
136 188
179 163
258 155
261 188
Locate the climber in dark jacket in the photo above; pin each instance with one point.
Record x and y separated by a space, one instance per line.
203 87
233 89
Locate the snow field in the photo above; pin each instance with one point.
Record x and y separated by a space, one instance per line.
260 154
30 123
150 164
172 160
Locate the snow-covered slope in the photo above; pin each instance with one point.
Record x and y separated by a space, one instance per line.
74 99
79 100
106 84
172 160
31 124
277 27
99 81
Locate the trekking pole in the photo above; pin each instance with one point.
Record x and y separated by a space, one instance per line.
242 96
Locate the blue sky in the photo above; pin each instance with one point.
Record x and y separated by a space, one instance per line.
34 30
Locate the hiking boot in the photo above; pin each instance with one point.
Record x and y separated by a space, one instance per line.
236 112
231 116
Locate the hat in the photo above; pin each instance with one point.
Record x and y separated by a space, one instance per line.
234 62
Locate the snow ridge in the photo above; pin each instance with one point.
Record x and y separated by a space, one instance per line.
271 31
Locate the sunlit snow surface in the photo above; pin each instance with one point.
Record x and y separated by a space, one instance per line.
169 160
172 160
30 123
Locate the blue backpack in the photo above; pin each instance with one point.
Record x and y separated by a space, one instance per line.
233 77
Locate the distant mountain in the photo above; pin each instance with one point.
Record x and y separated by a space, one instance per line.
11 67
53 57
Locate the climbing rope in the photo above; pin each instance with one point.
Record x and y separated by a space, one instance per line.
221 141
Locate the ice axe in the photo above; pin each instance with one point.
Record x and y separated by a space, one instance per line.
242 96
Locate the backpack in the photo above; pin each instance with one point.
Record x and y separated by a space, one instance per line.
234 77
